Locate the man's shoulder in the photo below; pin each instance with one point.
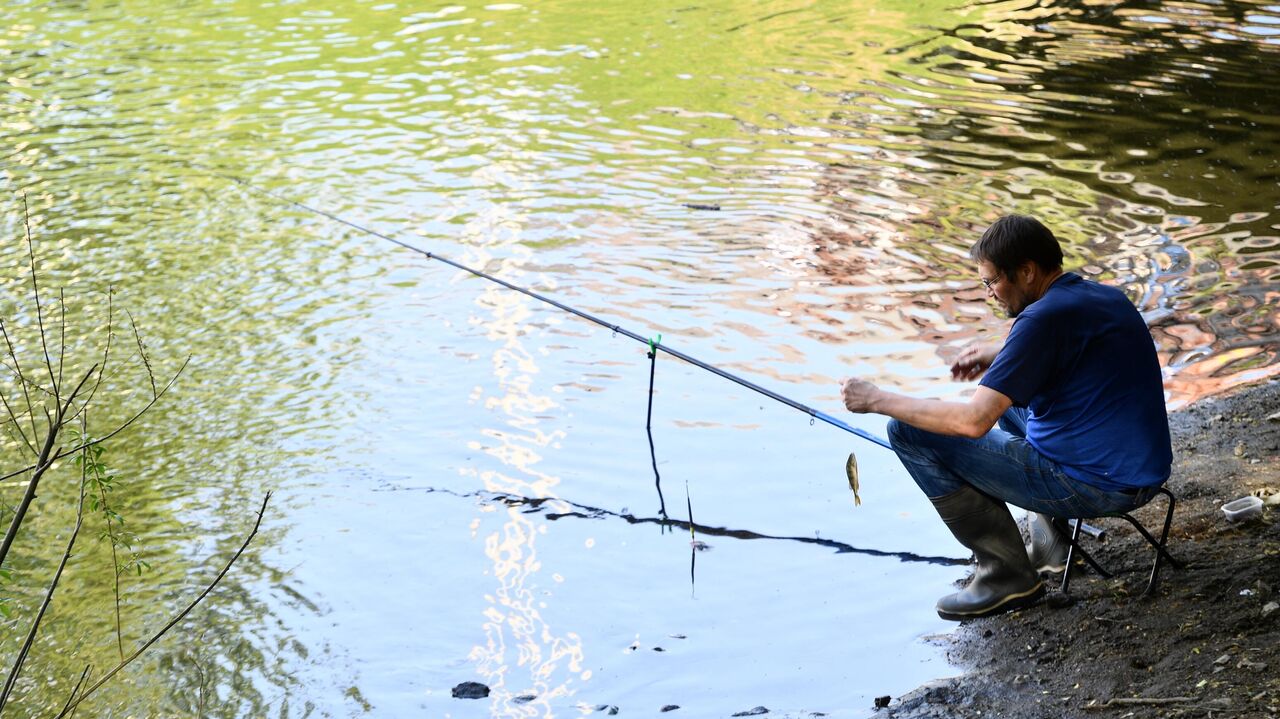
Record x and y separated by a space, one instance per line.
1072 293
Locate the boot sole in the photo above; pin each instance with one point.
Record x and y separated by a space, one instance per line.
1008 604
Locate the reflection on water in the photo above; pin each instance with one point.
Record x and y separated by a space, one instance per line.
555 509
1136 131
855 153
522 655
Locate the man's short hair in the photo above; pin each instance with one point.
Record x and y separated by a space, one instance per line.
1015 239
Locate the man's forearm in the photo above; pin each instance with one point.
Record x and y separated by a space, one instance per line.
933 415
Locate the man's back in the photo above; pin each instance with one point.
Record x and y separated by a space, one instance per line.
1082 361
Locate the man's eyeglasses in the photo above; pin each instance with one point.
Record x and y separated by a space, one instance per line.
987 283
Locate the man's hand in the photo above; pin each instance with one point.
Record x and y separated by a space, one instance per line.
974 360
858 395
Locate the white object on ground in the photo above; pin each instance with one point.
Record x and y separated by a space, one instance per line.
1241 509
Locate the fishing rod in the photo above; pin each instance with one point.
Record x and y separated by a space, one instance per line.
654 345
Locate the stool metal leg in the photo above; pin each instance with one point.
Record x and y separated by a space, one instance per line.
1161 553
1071 551
1072 548
1088 558
1164 533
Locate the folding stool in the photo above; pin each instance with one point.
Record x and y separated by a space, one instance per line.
1162 554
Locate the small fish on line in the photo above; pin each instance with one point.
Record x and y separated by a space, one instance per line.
851 470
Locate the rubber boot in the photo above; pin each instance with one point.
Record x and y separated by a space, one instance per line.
1003 580
1048 545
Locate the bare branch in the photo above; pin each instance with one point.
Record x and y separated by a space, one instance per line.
44 606
22 379
115 572
62 332
1137 701
106 516
13 417
76 689
47 457
26 381
142 351
35 291
112 433
178 617
106 353
202 687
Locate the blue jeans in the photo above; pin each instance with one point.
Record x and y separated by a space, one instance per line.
1004 465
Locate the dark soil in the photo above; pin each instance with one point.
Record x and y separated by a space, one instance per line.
1206 644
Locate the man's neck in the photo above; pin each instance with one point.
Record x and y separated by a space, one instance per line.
1043 284
1051 278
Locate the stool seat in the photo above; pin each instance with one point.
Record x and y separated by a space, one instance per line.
1162 554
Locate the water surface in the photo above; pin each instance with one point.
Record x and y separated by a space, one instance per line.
462 476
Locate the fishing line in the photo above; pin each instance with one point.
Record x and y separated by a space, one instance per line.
654 345
648 427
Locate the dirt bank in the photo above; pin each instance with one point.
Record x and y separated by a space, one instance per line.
1206 644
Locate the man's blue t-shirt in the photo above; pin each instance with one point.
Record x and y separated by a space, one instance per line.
1081 360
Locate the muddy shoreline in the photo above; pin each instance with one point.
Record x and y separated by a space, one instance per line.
1207 643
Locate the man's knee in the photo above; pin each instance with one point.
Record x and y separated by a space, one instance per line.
910 440
900 434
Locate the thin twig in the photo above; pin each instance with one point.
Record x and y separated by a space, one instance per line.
1137 701
17 369
177 618
693 538
47 457
111 535
689 504
106 353
62 331
44 606
17 423
202 687
76 689
30 384
35 290
142 351
115 565
113 432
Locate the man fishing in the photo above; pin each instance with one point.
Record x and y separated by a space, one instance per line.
1076 391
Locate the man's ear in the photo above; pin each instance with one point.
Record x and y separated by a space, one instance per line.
1027 271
